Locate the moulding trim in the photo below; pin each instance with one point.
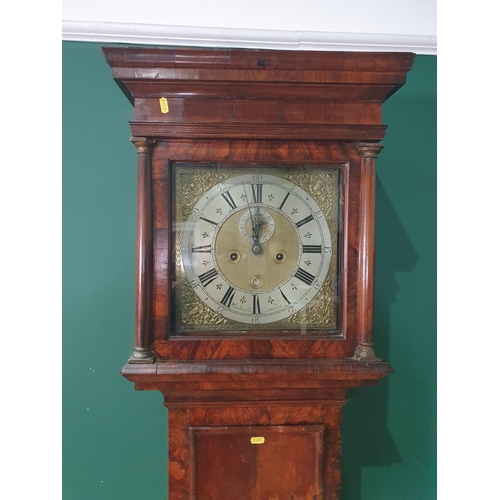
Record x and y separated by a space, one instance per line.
189 36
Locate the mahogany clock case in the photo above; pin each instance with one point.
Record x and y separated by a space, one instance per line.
393 423
217 99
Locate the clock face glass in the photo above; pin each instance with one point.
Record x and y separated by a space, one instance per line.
256 248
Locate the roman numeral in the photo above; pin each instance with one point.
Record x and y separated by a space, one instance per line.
209 221
228 297
256 304
284 296
284 200
257 193
201 249
227 196
207 277
305 220
304 276
311 248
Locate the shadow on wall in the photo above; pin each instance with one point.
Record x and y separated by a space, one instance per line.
366 440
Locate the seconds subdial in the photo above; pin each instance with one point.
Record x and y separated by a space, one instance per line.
257 223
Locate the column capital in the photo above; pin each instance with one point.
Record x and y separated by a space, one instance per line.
370 149
144 145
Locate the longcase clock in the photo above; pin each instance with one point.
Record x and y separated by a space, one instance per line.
255 258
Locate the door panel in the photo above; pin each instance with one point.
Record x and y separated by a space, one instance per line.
285 463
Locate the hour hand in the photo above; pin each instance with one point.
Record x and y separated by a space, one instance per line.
256 246
256 225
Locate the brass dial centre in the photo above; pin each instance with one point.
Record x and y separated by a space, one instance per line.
275 262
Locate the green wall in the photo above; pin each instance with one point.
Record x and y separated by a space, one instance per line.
115 439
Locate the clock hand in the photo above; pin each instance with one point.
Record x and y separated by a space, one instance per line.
258 221
249 211
256 247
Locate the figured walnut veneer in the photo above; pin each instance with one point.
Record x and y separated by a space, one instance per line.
255 106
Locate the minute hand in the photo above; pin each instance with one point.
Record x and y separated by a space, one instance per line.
256 248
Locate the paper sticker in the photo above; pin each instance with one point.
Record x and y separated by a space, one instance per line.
163 105
257 440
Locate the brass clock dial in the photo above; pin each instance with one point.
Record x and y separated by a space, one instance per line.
256 248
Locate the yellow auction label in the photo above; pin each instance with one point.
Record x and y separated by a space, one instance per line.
257 440
163 105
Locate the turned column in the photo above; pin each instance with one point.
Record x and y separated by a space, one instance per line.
366 280
143 350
